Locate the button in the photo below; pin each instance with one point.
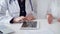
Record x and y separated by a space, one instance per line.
22 11
21 5
21 0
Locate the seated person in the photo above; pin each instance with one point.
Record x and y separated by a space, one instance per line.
23 16
17 10
53 12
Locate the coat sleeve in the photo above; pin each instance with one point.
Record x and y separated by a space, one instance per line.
49 11
3 9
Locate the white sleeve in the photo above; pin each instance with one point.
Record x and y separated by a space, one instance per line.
3 9
49 10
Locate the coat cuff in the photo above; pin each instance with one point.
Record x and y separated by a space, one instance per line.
11 21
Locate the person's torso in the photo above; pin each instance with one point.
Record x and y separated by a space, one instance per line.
14 7
55 9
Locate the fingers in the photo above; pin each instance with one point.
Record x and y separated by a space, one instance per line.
50 19
18 19
22 18
58 19
29 18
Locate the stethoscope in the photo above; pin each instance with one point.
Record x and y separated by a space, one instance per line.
31 5
29 1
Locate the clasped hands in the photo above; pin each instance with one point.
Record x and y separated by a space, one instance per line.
22 19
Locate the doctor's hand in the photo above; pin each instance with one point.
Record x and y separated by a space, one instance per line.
18 19
29 18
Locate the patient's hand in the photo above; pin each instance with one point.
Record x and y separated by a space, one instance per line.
50 18
58 19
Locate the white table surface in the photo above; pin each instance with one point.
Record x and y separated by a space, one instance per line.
45 28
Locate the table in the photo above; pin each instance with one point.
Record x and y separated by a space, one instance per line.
45 28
